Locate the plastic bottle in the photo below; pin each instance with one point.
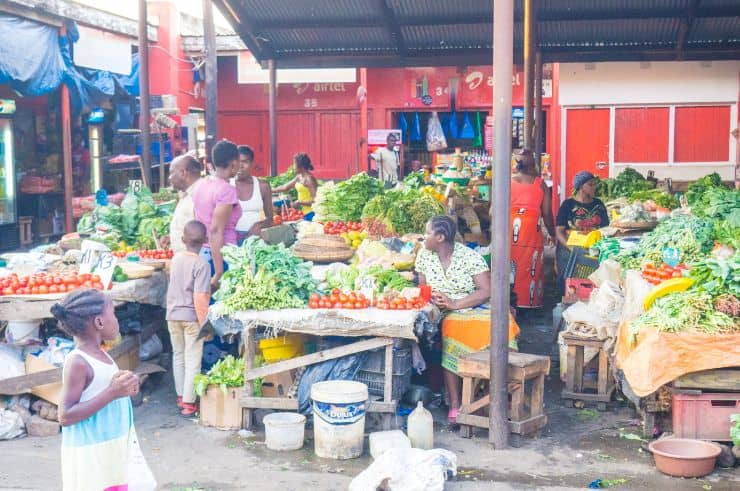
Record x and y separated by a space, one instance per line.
421 428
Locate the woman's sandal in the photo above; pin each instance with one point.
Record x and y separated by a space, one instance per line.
189 409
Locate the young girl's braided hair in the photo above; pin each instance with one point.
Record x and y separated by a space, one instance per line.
78 309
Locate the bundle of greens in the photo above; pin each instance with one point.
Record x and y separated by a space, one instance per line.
283 178
719 203
386 279
345 279
148 228
414 180
263 276
660 197
685 312
691 235
402 211
345 200
227 372
717 276
136 206
165 194
627 183
696 190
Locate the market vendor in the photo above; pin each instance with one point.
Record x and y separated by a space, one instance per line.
461 287
584 212
184 177
387 161
216 205
531 203
255 197
304 183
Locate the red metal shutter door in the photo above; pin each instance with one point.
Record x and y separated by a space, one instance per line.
641 134
702 134
339 145
587 143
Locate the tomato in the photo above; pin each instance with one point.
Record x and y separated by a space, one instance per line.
85 277
87 284
359 305
348 305
313 304
314 297
53 289
98 285
335 291
343 298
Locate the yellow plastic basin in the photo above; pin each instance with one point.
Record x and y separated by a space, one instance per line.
281 348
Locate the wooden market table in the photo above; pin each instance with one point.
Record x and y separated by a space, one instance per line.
380 326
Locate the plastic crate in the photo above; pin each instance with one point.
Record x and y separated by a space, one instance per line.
372 372
705 416
580 264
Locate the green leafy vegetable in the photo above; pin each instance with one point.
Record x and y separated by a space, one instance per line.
685 311
345 200
414 180
282 179
717 276
402 211
627 183
735 429
386 279
660 197
344 279
696 190
227 372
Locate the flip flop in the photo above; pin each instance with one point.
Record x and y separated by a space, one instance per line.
452 415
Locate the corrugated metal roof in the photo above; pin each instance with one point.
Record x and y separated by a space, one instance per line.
461 31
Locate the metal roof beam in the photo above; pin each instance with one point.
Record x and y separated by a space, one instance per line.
392 25
244 28
686 24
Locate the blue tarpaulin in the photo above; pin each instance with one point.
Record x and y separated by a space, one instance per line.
35 60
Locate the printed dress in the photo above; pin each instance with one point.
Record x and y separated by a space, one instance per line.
527 243
95 451
468 330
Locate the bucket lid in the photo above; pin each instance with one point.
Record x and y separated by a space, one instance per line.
339 391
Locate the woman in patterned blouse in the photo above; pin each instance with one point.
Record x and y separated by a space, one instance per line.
461 286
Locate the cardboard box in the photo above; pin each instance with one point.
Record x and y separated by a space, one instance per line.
219 410
48 392
277 385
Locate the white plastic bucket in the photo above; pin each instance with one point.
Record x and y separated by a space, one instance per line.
284 431
339 418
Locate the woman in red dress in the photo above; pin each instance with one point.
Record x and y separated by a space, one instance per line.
531 205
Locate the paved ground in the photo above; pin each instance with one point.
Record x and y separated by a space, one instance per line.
577 447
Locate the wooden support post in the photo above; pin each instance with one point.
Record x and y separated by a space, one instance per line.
209 33
363 161
67 159
272 109
503 59
144 111
539 116
530 42
249 354
388 387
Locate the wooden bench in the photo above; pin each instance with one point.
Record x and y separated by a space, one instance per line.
576 389
526 389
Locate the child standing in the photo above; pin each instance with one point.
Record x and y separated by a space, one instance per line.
96 413
188 295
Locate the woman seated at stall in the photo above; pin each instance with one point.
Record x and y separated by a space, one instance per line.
304 183
461 287
584 212
255 197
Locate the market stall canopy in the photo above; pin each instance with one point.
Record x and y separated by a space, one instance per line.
440 32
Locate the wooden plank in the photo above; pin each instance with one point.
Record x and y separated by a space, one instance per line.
570 374
388 387
312 359
718 379
473 407
471 420
517 404
590 343
521 365
536 405
578 369
249 354
586 397
528 427
382 407
603 371
467 393
24 383
269 403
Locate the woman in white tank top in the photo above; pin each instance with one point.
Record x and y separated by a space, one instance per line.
255 197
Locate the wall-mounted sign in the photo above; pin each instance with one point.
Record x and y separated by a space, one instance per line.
251 72
380 137
103 51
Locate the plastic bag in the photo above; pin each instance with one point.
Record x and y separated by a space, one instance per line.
57 350
11 361
344 368
151 348
407 469
435 135
11 425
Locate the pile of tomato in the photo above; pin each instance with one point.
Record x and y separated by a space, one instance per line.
654 275
401 303
337 228
159 254
339 300
42 283
288 215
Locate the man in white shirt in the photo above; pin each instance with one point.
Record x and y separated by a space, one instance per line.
387 161
185 174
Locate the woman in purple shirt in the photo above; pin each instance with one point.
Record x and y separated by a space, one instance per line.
216 205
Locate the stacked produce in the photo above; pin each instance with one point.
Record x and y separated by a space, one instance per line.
339 300
42 283
345 200
261 277
284 178
136 222
631 185
227 372
399 212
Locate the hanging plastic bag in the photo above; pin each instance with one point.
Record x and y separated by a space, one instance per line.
435 135
403 125
416 129
452 128
478 140
467 131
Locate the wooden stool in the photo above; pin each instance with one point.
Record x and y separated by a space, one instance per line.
526 389
575 386
26 234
